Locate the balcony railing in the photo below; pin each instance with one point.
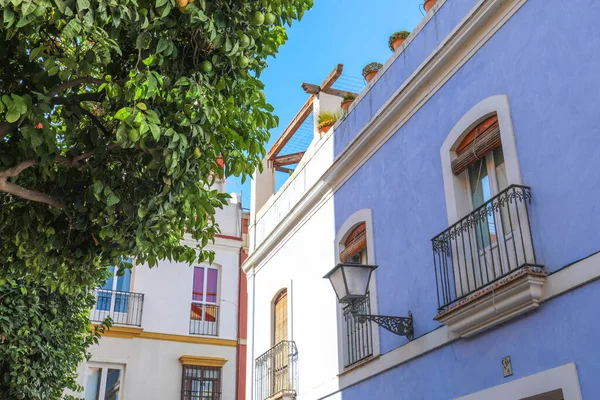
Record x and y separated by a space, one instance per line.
124 308
204 319
488 244
359 335
276 371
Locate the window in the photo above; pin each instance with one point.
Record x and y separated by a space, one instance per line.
201 383
204 309
110 301
104 382
280 318
358 337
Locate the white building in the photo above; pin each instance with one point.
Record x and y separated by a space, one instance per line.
175 332
291 330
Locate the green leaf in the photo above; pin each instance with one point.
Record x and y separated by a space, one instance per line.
13 114
83 5
183 81
9 17
112 199
160 3
155 132
72 29
122 114
162 45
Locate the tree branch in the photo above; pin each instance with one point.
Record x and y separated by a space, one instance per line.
74 82
27 194
77 98
7 127
17 169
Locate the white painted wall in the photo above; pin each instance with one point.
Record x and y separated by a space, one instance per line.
152 367
299 265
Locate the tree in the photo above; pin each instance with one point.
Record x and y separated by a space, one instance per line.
113 117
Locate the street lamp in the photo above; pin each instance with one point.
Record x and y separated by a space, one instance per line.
350 282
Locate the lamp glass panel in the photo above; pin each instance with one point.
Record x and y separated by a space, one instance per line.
337 280
358 279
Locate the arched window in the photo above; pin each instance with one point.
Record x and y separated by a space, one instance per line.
357 335
489 234
280 317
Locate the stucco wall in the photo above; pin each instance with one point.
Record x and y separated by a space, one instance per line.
152 367
298 266
563 330
549 71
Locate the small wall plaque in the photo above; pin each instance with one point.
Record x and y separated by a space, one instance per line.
507 366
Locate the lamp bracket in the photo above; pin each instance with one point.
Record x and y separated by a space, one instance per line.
402 326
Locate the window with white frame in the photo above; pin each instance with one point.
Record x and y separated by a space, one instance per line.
201 383
104 382
489 235
357 335
204 314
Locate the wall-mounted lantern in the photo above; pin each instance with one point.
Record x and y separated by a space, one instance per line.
350 282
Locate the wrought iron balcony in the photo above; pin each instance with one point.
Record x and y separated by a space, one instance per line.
204 319
490 243
124 308
276 371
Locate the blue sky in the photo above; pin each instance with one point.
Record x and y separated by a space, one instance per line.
350 32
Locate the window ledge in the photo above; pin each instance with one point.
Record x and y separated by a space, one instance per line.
358 364
513 295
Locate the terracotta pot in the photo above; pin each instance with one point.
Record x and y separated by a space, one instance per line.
397 43
323 130
346 104
429 5
370 75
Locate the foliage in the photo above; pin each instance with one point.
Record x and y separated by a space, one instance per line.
349 96
374 66
326 118
41 334
398 35
113 117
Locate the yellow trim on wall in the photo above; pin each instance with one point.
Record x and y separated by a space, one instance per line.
126 332
189 339
202 361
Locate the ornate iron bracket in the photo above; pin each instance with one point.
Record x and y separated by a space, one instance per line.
402 326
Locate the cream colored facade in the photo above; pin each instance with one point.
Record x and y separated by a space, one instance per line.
148 356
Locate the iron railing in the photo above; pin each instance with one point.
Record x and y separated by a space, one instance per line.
276 371
201 383
488 244
358 332
204 319
124 308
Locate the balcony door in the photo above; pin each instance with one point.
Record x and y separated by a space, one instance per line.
280 378
113 296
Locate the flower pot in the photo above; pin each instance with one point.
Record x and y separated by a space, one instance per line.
346 104
370 75
324 129
397 43
429 5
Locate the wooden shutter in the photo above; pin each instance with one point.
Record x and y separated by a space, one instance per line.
281 322
355 243
484 138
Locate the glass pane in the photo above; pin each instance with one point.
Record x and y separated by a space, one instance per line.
198 286
92 384
196 313
211 285
210 313
103 301
113 384
480 193
109 282
124 281
502 184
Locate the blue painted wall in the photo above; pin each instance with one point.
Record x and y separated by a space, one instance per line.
547 60
550 337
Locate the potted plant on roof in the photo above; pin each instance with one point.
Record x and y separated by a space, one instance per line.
326 120
371 70
348 99
397 39
428 5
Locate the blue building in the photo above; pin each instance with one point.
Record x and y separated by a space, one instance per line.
467 172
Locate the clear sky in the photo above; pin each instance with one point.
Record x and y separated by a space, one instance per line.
349 32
